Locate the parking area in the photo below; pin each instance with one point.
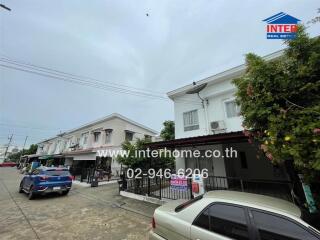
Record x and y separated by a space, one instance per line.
86 213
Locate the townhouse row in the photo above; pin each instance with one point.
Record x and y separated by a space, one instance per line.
77 148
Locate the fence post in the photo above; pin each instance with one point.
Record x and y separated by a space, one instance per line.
241 182
160 194
190 188
148 187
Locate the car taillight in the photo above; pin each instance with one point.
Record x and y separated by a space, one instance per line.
43 178
70 178
153 223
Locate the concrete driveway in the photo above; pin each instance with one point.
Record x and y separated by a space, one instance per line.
86 213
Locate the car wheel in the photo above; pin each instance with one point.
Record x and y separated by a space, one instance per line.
65 193
30 194
20 188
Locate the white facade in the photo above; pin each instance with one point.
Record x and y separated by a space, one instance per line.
82 144
214 111
216 95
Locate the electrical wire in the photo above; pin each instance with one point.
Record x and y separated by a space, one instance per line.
76 79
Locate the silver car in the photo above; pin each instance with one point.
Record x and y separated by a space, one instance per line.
231 215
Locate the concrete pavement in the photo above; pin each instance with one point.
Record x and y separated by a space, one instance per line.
86 213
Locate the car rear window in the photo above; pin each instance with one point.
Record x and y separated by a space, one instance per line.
187 204
57 172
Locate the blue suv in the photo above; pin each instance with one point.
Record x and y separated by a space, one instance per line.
45 180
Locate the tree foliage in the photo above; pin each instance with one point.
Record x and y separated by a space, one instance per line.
16 156
134 160
280 103
167 133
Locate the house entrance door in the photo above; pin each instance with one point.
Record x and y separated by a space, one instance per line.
200 163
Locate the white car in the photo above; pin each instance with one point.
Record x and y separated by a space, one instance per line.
231 215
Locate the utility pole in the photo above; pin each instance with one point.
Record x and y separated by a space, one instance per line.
25 140
10 139
24 144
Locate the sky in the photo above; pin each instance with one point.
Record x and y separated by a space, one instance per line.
153 45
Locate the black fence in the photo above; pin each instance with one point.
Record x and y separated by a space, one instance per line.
279 189
87 174
155 187
160 187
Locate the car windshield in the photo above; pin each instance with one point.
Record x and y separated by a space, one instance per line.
57 172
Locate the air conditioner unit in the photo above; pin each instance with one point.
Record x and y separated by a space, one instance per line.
217 126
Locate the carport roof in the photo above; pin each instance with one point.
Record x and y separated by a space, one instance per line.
231 137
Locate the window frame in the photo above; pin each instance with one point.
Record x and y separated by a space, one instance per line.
187 128
126 132
97 133
256 229
251 231
108 136
225 107
84 138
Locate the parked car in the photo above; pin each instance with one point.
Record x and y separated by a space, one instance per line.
231 215
45 180
8 164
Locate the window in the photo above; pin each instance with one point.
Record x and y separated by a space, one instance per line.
69 143
129 136
84 138
108 135
232 109
273 227
190 120
96 136
148 138
203 220
227 220
243 160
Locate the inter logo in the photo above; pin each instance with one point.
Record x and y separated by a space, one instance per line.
281 26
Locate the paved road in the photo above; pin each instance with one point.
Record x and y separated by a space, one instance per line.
86 213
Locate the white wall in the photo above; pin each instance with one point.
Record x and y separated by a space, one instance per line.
216 94
118 125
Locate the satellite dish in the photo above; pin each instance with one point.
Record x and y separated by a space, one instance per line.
197 89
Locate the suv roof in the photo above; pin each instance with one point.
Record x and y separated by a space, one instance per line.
256 200
53 168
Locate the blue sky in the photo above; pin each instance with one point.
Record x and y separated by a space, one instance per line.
115 41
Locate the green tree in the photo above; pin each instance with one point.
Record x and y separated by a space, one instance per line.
16 156
167 133
135 160
280 103
32 149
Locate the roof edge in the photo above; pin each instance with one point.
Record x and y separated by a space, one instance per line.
174 93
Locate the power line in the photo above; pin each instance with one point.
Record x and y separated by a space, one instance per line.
71 78
77 76
84 83
20 126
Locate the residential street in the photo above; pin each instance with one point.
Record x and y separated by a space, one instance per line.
86 213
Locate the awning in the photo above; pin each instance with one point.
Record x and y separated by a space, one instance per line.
231 137
46 157
84 157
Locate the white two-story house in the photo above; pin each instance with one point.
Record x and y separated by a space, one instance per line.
208 118
78 148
